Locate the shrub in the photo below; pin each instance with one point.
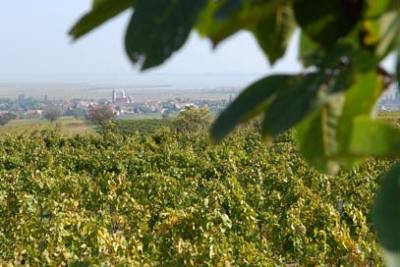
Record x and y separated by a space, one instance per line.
100 115
192 120
52 113
6 118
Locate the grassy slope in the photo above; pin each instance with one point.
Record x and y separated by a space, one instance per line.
67 126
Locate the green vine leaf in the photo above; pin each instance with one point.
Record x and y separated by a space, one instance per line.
324 136
274 32
309 52
374 138
332 136
292 105
360 100
102 11
386 212
220 20
158 29
316 136
251 102
327 21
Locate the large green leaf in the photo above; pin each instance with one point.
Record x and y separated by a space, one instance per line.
292 105
324 136
345 129
386 212
381 33
374 138
316 136
373 9
360 100
159 28
310 53
96 3
251 102
102 11
220 20
394 5
380 29
274 32
334 135
327 21
373 23
228 8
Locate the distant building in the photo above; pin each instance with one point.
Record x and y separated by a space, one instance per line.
33 113
390 100
120 98
392 94
82 104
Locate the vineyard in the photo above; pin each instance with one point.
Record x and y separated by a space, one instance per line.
170 198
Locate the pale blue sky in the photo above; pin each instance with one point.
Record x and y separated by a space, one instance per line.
33 36
35 47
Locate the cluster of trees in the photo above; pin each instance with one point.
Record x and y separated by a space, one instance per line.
101 115
7 117
190 121
21 103
193 120
52 113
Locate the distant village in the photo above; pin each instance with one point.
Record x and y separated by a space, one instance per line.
122 105
390 100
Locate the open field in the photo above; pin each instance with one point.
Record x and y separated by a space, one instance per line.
67 91
141 116
141 87
67 126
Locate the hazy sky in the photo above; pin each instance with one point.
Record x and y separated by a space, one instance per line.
35 47
33 36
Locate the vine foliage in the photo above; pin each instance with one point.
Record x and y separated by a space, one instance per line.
330 105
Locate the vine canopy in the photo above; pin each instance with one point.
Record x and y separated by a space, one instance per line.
330 105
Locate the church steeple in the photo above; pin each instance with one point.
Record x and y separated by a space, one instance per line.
114 96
